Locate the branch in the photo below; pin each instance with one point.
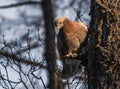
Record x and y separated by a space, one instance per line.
32 46
22 60
20 4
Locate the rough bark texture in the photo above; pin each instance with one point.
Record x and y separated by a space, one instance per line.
104 45
54 79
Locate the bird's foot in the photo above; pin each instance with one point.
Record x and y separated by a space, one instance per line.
70 55
74 55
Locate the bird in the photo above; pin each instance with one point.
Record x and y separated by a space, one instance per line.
71 35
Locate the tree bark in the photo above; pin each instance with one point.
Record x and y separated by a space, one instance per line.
54 79
104 45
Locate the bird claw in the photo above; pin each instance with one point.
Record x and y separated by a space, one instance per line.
70 55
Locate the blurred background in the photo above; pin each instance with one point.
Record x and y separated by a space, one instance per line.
22 33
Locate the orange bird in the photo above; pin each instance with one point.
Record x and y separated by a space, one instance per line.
70 37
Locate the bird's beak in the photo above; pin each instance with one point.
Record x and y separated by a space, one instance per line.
57 27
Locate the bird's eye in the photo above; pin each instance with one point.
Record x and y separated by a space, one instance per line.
56 23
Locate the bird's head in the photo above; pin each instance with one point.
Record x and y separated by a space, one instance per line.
59 22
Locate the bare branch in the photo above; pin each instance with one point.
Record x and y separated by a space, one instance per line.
20 4
22 60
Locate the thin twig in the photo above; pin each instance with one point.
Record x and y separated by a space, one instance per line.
22 60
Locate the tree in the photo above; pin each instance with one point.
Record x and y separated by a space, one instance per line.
54 79
103 48
104 45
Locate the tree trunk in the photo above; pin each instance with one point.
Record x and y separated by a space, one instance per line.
104 45
54 79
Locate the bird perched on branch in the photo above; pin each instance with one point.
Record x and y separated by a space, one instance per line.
70 37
